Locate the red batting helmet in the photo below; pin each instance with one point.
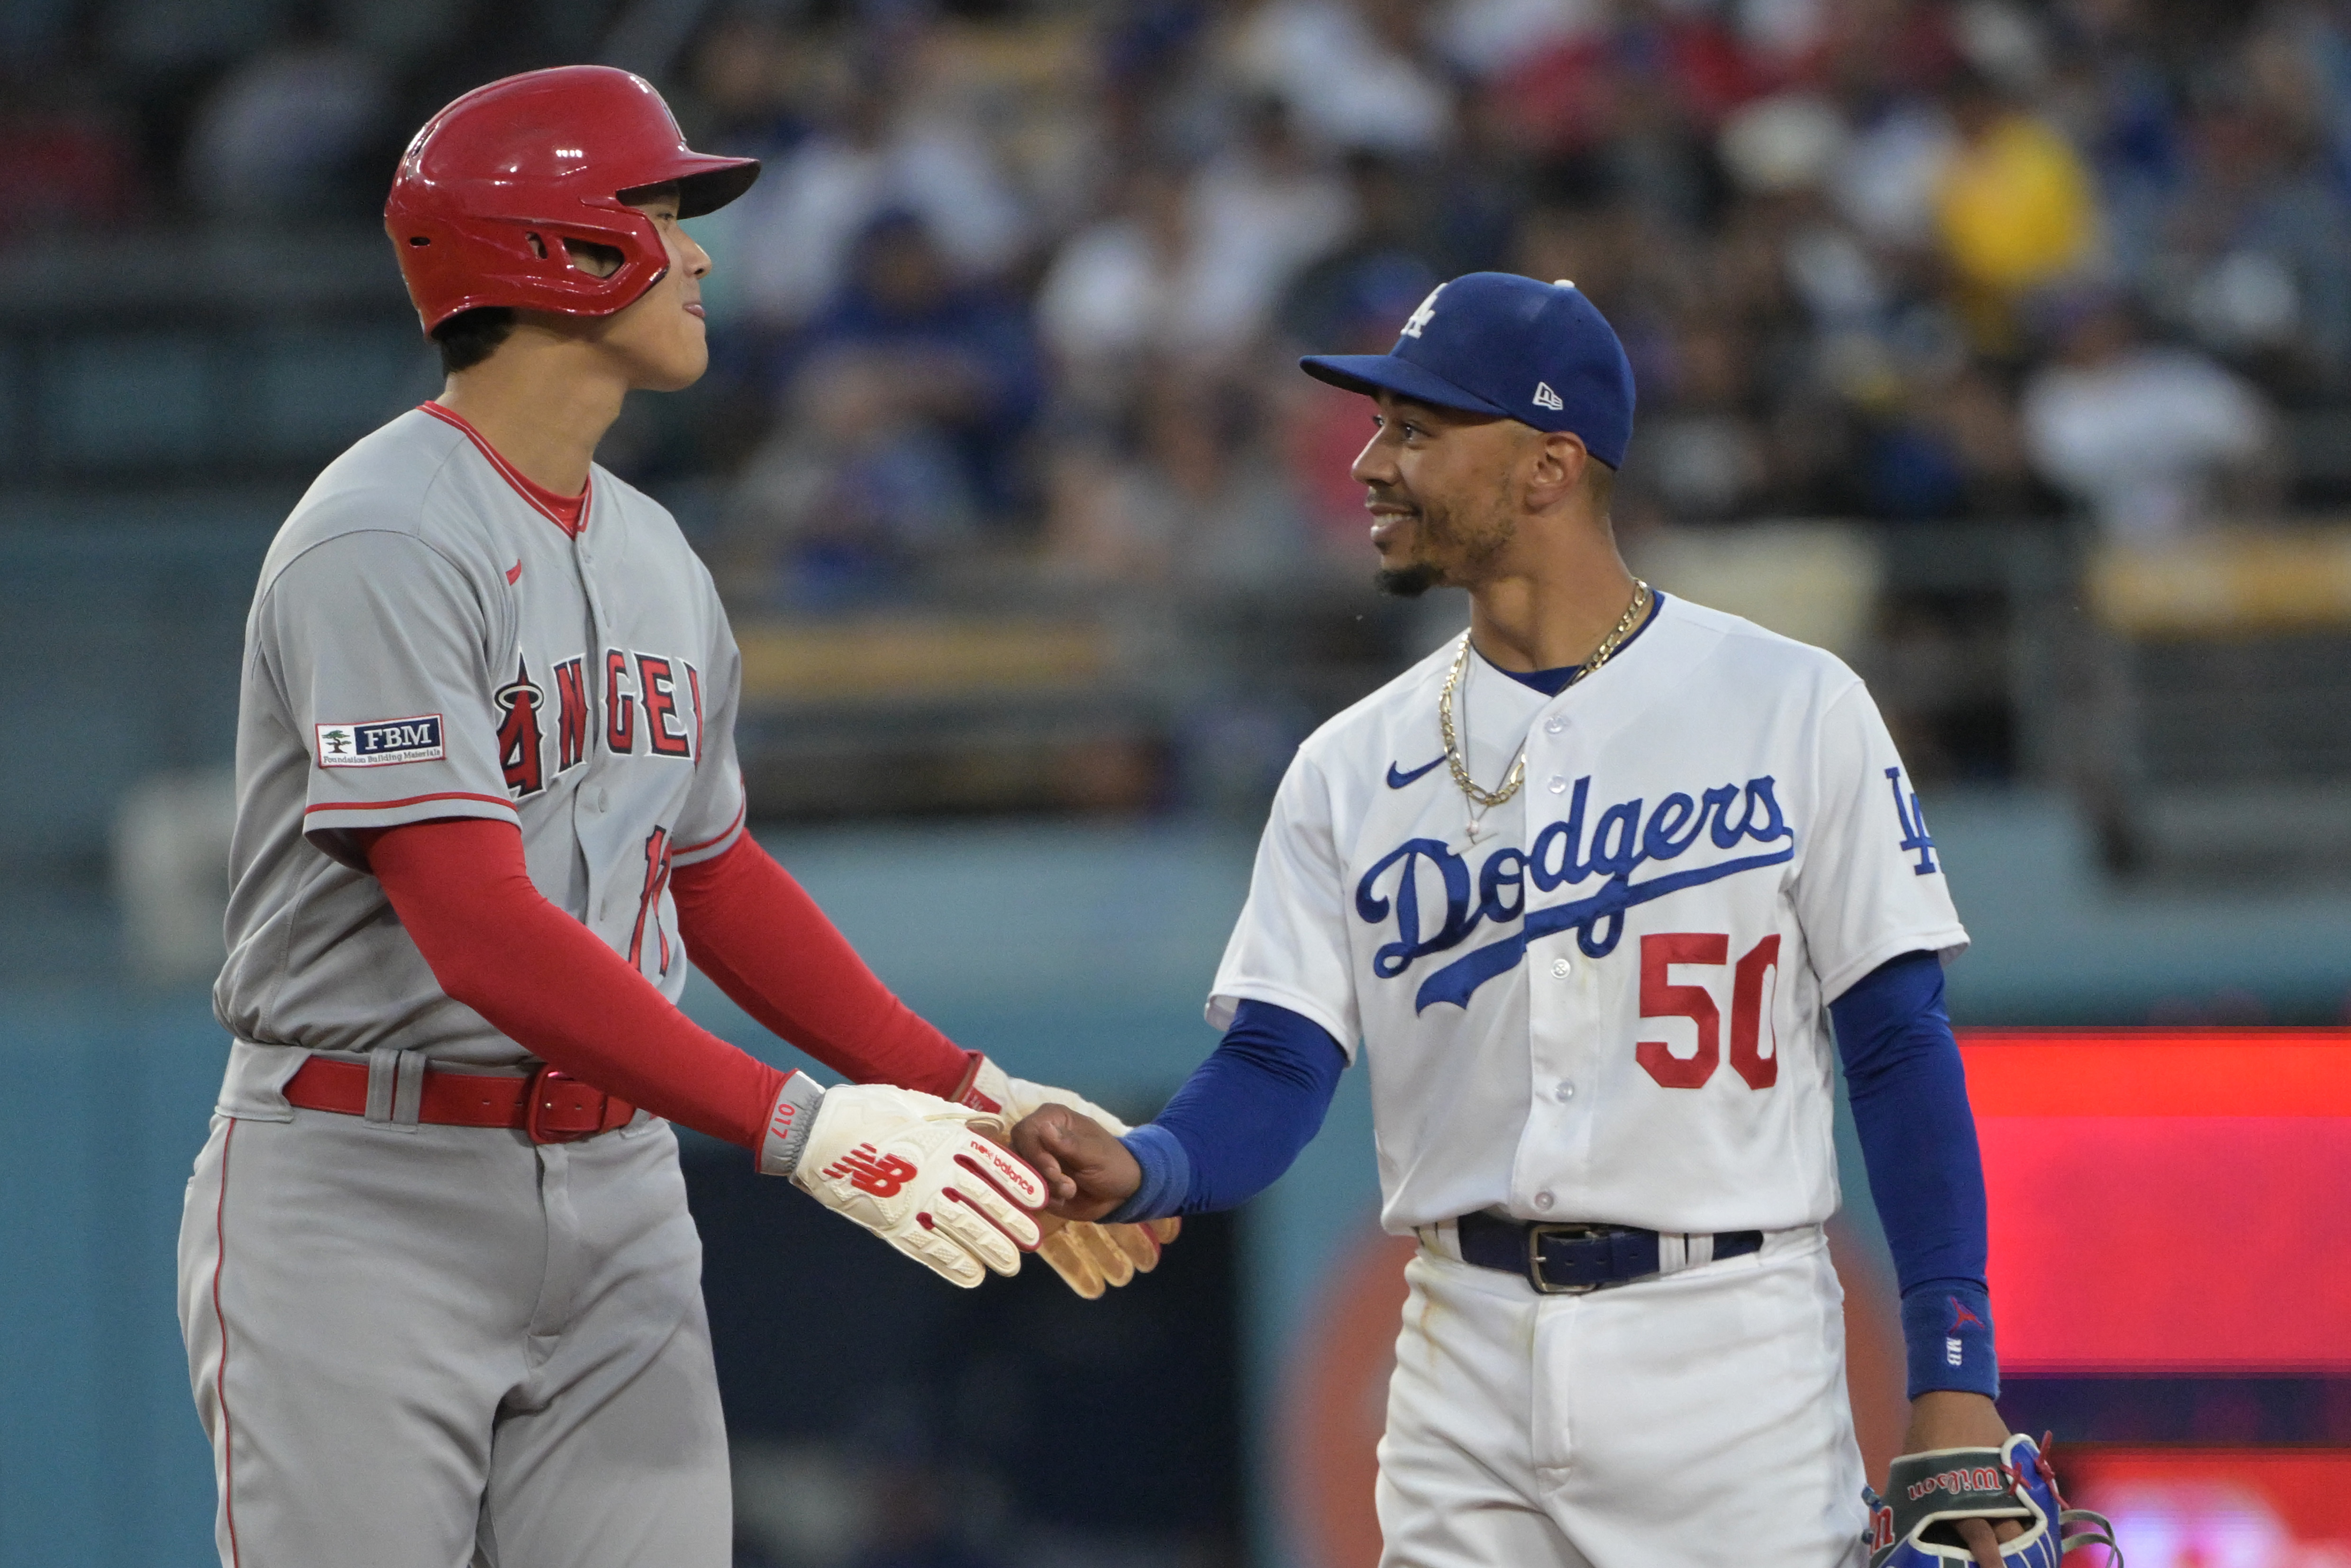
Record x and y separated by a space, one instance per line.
496 182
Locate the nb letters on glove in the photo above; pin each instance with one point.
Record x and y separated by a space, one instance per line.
918 1171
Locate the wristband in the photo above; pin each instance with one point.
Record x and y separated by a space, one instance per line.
1167 1177
985 1087
788 1122
1947 1328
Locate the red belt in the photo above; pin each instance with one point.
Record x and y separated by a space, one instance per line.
551 1106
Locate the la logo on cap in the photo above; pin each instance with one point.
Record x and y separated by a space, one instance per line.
1504 346
1425 315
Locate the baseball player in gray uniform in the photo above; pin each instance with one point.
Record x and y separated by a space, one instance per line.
438 1283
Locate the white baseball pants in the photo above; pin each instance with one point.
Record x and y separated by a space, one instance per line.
1695 1419
436 1346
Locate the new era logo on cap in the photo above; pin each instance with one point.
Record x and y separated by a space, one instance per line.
1496 343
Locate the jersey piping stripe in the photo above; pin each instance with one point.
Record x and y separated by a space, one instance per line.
220 1374
721 833
408 800
512 476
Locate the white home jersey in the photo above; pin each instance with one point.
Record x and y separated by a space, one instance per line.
428 641
1606 1000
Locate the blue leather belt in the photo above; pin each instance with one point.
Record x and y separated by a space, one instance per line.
1569 1259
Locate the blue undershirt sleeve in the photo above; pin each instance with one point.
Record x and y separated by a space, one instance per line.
1240 1119
1909 1096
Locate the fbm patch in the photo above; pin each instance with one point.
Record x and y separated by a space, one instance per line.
377 743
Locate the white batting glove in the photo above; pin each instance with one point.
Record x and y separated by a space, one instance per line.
913 1169
1090 1258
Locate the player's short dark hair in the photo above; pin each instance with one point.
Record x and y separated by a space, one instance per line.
467 338
1600 482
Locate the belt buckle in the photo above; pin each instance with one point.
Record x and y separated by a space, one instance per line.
538 1106
1535 1234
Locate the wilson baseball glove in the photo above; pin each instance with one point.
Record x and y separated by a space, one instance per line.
1090 1258
1933 1490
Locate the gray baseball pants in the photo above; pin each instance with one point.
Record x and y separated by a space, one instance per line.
437 1347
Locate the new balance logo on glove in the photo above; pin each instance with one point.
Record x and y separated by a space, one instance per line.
868 1171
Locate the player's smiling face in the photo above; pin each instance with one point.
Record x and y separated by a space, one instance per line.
1442 488
658 339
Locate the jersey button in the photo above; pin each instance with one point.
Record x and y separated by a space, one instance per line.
1565 1091
603 799
1543 1201
1560 969
1554 724
1556 783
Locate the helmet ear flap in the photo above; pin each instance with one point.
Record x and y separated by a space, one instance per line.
459 262
594 258
612 257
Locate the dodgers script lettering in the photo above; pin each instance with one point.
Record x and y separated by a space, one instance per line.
1622 841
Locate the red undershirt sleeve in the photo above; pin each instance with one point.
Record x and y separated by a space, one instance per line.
546 982
751 928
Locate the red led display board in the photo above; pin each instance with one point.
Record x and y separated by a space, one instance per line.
2166 1202
2200 1508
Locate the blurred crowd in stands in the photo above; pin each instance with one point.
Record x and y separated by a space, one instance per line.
1026 280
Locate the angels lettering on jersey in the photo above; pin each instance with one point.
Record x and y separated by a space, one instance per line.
654 695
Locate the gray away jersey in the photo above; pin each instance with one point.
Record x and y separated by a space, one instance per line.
428 641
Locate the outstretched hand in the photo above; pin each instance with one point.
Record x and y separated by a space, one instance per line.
1087 1172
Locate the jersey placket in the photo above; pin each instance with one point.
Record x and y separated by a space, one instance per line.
557 621
592 801
1565 1051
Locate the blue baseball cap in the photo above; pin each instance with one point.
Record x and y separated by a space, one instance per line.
1495 343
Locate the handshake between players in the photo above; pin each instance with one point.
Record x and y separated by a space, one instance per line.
1086 1170
933 1177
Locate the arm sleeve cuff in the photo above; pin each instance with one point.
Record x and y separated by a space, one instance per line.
1947 1328
1167 1176
1244 1114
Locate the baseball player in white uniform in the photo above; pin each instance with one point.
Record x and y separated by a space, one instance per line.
439 1287
1585 887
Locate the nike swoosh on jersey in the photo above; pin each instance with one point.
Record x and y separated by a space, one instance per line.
1397 780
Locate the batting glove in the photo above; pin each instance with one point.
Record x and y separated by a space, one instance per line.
918 1171
1090 1258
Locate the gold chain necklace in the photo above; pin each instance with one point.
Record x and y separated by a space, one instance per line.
1489 799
